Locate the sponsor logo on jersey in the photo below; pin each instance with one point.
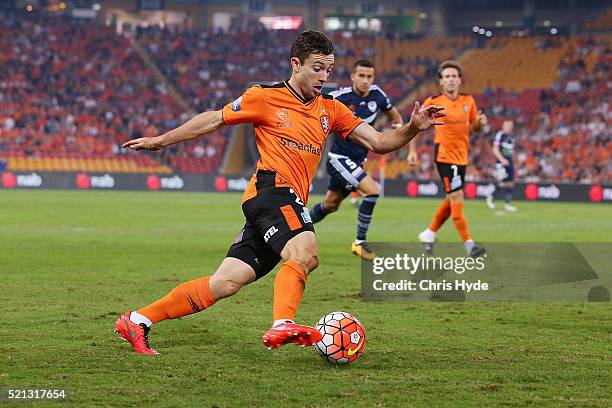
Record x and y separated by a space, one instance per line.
309 147
372 106
271 231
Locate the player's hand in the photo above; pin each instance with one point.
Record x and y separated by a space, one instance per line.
482 119
424 118
504 161
413 158
143 143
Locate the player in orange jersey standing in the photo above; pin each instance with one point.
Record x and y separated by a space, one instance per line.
451 154
292 119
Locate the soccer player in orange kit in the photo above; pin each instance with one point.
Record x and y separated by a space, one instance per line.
451 143
292 119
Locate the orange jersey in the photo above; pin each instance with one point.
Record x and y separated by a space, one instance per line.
290 131
453 138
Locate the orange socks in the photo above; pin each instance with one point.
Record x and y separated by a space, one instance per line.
456 210
288 290
442 214
185 299
195 296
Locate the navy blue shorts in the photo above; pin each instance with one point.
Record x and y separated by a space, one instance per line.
504 173
344 174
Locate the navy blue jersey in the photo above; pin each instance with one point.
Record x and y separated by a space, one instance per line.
505 144
366 108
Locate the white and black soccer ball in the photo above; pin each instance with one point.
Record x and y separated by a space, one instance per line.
343 338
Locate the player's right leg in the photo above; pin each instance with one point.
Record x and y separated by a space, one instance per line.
330 204
285 232
300 256
187 298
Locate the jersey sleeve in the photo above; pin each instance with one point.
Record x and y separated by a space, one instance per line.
246 109
385 103
428 101
344 121
473 110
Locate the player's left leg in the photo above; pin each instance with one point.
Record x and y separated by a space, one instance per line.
285 225
371 191
187 298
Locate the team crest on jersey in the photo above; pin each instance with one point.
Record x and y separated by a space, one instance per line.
325 123
372 106
466 107
236 104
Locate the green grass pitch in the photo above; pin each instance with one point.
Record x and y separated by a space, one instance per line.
71 262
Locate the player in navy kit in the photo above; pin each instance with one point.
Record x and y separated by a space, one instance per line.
345 159
503 150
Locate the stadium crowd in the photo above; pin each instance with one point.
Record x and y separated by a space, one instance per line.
69 88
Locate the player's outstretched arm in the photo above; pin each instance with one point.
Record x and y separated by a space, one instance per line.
197 126
385 142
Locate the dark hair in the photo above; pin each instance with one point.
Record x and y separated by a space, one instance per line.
311 42
449 64
363 63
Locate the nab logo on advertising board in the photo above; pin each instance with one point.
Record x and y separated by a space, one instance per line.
221 184
533 192
9 180
551 192
412 188
415 189
32 180
598 193
84 182
155 182
470 190
237 184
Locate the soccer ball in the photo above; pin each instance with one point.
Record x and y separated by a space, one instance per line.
343 338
